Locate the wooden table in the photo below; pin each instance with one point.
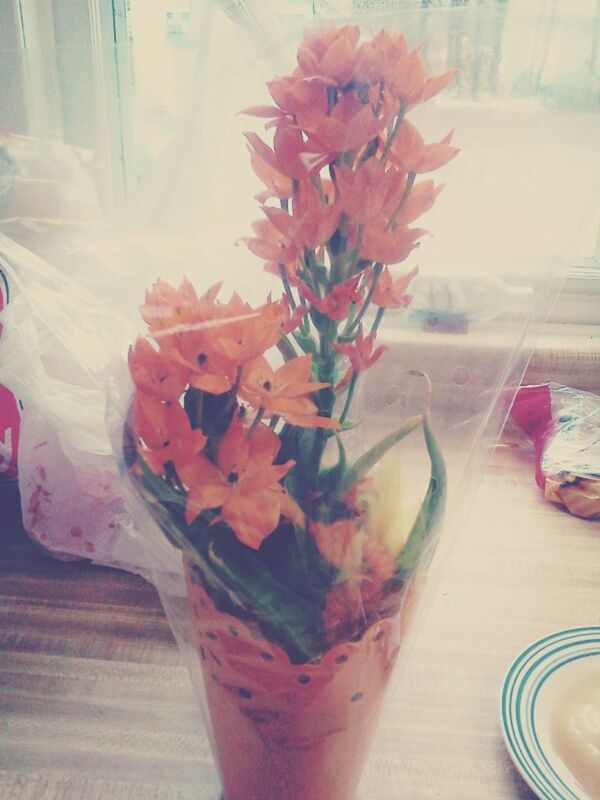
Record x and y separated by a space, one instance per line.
96 705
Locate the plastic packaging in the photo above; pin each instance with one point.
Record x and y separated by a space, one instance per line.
305 536
563 425
503 220
10 412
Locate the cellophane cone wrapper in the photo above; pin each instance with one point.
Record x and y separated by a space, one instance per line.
295 596
300 731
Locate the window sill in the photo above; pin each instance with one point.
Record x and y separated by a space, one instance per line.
567 354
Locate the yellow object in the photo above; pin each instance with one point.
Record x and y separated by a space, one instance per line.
389 521
581 496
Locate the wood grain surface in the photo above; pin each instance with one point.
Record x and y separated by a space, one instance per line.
95 703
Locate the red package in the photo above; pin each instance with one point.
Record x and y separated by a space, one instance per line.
564 427
10 412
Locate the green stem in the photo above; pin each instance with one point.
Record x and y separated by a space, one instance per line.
316 182
377 269
337 256
407 190
310 261
333 177
380 98
378 318
286 348
286 285
394 133
356 252
198 410
234 390
256 421
349 397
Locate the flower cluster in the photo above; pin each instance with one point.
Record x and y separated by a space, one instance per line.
237 437
206 347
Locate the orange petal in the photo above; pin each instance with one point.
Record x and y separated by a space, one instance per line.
254 517
202 497
435 156
291 510
211 383
234 449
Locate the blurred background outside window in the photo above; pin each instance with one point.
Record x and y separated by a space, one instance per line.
115 79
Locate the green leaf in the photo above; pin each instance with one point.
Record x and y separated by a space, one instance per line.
305 343
431 509
165 504
289 619
159 488
369 459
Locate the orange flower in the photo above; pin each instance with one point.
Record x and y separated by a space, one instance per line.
270 244
344 613
278 185
388 246
361 355
392 294
291 318
241 333
310 225
213 339
167 308
305 102
379 564
328 56
285 391
421 198
336 304
410 151
166 433
366 192
244 484
290 156
375 59
349 127
179 322
154 374
408 81
341 543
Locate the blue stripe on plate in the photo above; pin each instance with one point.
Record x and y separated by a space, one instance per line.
523 681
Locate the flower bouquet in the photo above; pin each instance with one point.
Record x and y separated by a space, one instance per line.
298 558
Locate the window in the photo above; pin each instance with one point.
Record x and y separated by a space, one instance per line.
116 78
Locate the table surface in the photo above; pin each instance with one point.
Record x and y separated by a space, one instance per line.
95 703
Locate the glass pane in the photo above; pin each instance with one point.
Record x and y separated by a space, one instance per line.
162 65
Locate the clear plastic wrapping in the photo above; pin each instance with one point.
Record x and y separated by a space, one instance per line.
299 452
293 440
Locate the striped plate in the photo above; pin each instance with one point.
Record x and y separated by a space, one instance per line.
530 694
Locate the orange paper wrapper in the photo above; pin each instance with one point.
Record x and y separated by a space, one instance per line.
283 731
